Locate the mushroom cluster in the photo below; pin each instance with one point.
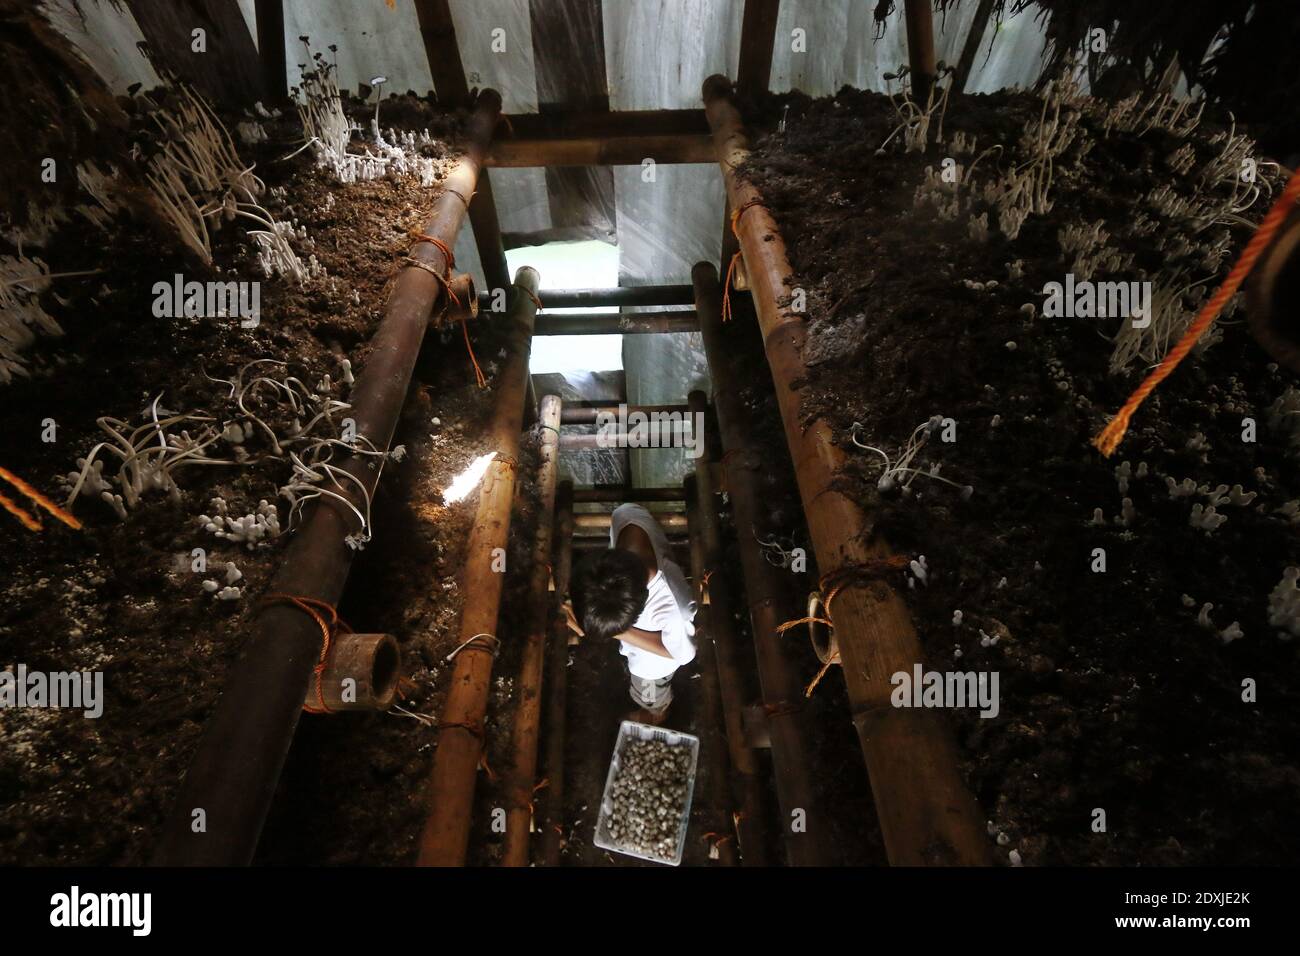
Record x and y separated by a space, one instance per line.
649 793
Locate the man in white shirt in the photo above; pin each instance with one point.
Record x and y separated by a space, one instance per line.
635 593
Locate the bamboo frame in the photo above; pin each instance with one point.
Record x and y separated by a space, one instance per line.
528 712
927 815
722 620
769 591
557 691
460 727
713 730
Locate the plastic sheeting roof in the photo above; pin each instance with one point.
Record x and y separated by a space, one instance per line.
657 54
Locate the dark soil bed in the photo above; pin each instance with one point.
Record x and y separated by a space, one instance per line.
121 596
1112 696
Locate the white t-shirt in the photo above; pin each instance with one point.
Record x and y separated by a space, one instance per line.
669 608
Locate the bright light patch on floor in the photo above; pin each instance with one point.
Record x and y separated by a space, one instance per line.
572 265
468 479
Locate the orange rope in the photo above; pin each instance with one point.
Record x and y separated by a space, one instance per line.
479 377
450 260
530 293
829 621
833 659
1110 437
314 608
38 499
731 267
29 522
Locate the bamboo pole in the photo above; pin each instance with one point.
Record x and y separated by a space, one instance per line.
581 124
234 772
438 31
713 736
593 524
920 47
722 627
269 17
966 63
617 323
587 415
757 41
601 151
528 713
927 816
460 727
805 825
631 295
665 437
617 493
557 692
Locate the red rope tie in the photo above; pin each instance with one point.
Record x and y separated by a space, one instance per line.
316 610
1110 437
731 267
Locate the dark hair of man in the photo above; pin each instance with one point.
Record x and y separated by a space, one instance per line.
609 592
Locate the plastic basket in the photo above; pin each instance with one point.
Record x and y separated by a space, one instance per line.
634 731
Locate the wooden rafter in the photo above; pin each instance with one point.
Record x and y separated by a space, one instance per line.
757 40
271 48
452 87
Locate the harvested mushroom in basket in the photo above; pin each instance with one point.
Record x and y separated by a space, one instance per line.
649 794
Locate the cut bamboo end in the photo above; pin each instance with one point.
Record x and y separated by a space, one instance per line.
360 674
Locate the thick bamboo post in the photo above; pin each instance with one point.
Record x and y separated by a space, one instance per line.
235 769
920 47
927 816
722 628
460 728
528 712
805 822
557 692
713 732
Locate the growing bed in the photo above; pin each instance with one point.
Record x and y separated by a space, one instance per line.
1120 691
